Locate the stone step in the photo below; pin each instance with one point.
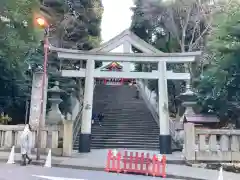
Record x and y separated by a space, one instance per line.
123 140
125 133
127 102
128 147
116 130
127 136
136 124
124 144
114 107
127 128
127 141
126 114
129 109
130 119
119 127
143 118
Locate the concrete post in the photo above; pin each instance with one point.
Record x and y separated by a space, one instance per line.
164 137
67 137
36 94
85 136
189 141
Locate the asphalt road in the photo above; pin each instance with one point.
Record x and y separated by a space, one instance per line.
11 172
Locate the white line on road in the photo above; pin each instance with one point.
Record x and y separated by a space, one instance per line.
56 178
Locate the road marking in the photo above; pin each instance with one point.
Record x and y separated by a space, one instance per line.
56 178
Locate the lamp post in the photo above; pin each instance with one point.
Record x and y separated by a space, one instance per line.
42 23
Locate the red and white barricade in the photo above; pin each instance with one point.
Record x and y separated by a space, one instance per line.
137 163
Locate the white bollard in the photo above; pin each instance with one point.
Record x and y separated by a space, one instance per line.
220 175
114 152
48 162
11 156
159 156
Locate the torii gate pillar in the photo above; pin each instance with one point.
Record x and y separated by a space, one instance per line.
165 143
85 135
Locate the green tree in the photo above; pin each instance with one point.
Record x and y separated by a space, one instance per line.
17 36
174 26
219 84
74 25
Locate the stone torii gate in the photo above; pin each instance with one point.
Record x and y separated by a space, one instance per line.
149 55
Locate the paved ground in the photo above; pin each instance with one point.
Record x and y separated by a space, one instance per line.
10 172
96 161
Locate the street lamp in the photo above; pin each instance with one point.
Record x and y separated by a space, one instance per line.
43 24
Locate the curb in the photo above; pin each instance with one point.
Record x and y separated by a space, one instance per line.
77 167
177 162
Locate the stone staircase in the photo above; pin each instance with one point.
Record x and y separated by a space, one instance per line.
127 123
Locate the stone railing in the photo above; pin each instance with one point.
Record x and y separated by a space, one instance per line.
55 138
211 144
149 98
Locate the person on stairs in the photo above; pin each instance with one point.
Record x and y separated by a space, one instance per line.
137 90
95 118
26 145
100 118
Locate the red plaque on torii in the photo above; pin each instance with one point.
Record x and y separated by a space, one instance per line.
114 66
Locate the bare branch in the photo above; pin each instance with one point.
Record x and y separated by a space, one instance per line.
185 28
170 10
200 36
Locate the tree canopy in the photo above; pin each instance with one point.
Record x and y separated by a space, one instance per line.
191 25
72 25
219 84
17 36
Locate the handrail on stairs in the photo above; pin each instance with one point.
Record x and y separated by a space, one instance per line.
77 124
154 112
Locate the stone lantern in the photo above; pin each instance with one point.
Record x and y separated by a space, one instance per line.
189 100
55 116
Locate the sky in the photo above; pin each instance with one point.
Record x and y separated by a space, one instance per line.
116 17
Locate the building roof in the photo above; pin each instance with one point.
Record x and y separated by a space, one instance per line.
130 37
126 36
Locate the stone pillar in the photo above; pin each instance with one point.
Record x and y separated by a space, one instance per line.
36 96
164 137
85 136
67 137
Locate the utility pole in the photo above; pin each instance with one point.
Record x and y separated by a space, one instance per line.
42 23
